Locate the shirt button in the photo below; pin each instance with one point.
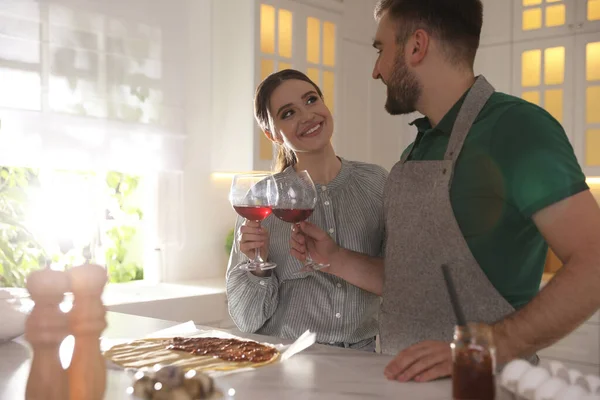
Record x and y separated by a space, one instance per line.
339 285
331 230
263 283
327 203
323 188
338 315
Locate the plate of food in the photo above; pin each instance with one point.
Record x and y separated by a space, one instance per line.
210 351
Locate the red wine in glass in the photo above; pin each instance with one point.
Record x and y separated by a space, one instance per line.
253 196
296 202
293 215
253 213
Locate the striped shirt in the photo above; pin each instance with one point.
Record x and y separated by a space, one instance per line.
285 305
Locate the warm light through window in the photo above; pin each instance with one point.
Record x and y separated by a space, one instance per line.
554 66
592 148
531 64
267 67
313 40
267 29
329 44
313 74
593 105
532 19
553 103
285 33
593 10
593 61
532 97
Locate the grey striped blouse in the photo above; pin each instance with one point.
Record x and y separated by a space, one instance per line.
285 305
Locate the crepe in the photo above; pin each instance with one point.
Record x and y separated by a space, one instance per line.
145 353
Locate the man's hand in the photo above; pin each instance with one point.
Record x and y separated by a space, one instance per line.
421 362
309 237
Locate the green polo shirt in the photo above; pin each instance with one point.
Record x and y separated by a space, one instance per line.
516 160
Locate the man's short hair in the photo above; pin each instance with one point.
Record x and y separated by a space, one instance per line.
455 23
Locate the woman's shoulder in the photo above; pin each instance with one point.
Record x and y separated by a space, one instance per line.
368 170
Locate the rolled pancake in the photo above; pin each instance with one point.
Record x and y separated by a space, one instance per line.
149 352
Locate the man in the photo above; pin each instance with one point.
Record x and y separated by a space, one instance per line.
488 184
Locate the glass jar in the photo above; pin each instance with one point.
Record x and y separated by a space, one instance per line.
474 363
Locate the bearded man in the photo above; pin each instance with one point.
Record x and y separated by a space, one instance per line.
488 184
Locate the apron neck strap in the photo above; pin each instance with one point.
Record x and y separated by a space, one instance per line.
479 94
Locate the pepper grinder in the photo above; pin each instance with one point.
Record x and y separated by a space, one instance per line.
87 320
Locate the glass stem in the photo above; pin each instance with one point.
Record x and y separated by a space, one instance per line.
257 257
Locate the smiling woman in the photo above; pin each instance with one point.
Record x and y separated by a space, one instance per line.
291 110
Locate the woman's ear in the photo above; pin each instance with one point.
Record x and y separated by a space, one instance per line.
274 138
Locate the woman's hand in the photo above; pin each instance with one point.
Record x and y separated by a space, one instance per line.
253 236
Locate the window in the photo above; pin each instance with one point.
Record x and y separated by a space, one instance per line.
61 62
543 13
592 116
542 79
276 50
321 57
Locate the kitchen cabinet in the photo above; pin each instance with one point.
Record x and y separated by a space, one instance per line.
262 37
534 19
550 56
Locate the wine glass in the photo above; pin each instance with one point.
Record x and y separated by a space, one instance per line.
297 200
253 196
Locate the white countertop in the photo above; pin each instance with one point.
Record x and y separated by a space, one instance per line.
320 372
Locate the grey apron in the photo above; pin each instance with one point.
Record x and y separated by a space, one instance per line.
422 234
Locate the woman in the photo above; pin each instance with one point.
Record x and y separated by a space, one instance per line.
289 108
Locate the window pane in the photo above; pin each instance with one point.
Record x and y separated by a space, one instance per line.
313 40
532 97
593 105
285 33
554 66
555 15
313 74
267 67
20 89
267 29
531 65
284 65
593 11
553 103
532 19
329 44
531 2
593 61
592 148
329 89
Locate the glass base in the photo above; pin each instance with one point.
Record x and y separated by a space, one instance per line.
254 265
311 266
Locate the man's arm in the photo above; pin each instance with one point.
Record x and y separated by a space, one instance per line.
572 229
358 269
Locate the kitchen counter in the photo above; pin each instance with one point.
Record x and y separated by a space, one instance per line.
319 372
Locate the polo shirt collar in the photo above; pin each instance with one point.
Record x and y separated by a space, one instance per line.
446 124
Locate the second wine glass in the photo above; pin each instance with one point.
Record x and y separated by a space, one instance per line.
296 202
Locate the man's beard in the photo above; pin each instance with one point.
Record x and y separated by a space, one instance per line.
403 89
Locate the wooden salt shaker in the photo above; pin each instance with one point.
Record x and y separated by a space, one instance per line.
87 319
45 329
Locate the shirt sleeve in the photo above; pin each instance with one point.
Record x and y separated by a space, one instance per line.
251 300
536 159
